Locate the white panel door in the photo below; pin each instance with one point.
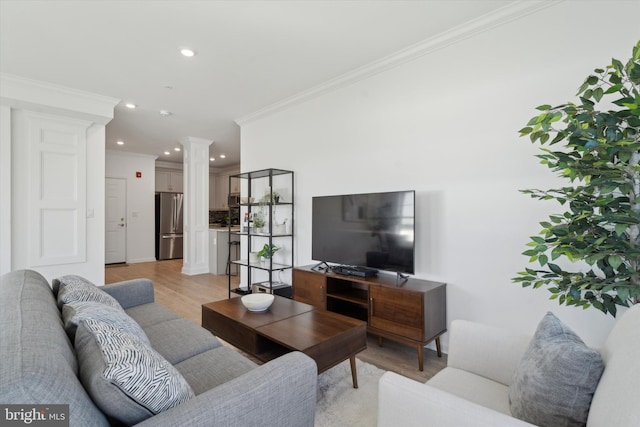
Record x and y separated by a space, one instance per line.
115 217
57 182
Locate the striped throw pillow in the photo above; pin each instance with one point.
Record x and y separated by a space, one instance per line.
76 312
76 288
127 379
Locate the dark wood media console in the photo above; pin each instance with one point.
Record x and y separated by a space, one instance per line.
412 312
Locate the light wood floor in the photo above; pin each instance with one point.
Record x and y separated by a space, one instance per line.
186 294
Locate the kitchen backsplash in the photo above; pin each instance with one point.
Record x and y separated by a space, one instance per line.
220 216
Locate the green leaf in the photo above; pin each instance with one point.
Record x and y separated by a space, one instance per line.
613 89
555 268
621 228
614 261
623 293
597 94
617 65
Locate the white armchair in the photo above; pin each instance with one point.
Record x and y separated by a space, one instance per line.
474 387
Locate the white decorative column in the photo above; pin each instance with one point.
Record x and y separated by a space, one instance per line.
196 205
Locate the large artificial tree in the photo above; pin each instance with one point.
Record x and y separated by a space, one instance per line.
595 144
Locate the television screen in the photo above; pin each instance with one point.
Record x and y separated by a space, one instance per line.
373 230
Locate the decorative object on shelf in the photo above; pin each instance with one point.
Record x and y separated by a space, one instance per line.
257 302
267 251
253 257
280 228
600 156
258 222
270 196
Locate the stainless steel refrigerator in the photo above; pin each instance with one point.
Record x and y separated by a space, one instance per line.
168 225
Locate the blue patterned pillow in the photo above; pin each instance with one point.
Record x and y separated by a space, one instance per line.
127 379
76 312
556 378
76 288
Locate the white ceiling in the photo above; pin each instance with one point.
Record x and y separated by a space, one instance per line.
250 55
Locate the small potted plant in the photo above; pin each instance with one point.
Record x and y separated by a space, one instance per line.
258 223
273 197
267 251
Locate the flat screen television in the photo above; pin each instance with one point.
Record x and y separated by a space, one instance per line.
374 230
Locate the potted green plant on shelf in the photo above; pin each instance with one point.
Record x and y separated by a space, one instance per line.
258 223
600 156
273 197
267 251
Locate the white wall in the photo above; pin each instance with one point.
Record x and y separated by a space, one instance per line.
446 125
140 201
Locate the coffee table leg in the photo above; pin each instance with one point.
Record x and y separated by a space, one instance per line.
354 373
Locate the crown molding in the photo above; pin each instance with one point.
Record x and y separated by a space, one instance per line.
501 16
129 154
21 92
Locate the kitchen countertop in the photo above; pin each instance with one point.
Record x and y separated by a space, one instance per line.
223 227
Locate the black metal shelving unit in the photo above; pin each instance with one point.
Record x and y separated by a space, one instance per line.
257 195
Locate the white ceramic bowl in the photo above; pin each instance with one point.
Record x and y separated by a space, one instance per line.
257 301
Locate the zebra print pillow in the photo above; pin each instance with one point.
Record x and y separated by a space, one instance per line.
76 288
127 379
75 312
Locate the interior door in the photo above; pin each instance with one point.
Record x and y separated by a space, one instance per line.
115 217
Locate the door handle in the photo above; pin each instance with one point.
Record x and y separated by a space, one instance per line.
120 225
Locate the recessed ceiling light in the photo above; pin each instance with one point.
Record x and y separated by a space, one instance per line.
176 149
130 105
223 156
211 159
165 113
185 51
120 142
167 153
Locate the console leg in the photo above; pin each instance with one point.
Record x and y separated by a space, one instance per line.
438 349
379 341
420 357
354 372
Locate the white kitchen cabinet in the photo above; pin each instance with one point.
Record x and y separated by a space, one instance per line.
212 192
169 181
222 191
222 188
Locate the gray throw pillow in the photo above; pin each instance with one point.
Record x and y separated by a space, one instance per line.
76 288
127 379
76 312
556 378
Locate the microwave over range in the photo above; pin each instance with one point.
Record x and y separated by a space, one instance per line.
234 199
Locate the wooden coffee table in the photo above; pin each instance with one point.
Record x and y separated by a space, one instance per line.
328 338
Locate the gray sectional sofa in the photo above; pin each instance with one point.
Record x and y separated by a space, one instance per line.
42 365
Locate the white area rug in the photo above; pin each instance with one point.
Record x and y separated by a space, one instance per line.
341 405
